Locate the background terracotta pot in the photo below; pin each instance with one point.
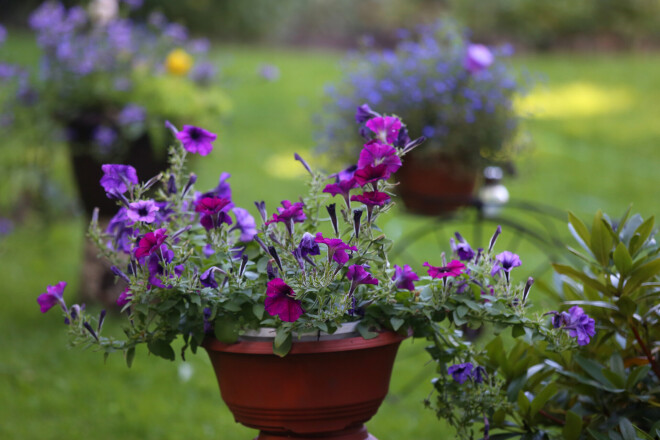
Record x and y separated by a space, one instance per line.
321 389
434 185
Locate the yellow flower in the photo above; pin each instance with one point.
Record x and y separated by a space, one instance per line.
178 62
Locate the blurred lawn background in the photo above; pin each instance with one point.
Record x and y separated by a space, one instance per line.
594 146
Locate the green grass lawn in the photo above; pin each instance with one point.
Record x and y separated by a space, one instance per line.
595 149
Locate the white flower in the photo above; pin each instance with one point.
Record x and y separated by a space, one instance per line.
103 11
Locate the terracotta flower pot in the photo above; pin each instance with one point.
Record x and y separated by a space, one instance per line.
434 185
322 389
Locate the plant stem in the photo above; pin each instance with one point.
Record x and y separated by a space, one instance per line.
552 418
645 350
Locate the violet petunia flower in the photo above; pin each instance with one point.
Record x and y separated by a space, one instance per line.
122 233
374 153
505 261
461 372
462 248
207 278
213 212
142 211
308 246
386 128
196 140
453 269
578 324
363 113
345 174
280 301
117 178
404 276
54 295
477 58
157 270
336 248
150 243
358 275
245 223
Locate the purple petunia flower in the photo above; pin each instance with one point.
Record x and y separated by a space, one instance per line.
245 223
122 234
289 214
131 114
308 246
53 295
505 262
462 248
453 269
213 212
280 301
336 248
196 140
371 198
142 211
461 372
364 113
157 270
117 178
374 153
386 128
342 187
403 277
125 297
207 278
358 275
150 243
477 58
578 324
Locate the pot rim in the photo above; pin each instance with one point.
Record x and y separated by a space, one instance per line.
265 347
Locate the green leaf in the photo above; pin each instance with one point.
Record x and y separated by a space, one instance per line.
597 435
636 375
626 305
614 378
396 323
161 348
258 310
523 404
563 269
624 219
627 429
542 397
283 342
130 355
601 240
641 275
622 259
641 234
573 427
517 330
580 229
593 369
461 311
226 330
365 331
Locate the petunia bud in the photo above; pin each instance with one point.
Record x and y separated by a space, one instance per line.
171 184
152 181
332 211
304 163
171 127
528 286
413 144
493 239
270 270
91 331
276 257
117 271
357 215
244 261
261 207
101 319
261 243
191 181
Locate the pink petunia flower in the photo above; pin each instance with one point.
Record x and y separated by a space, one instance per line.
280 301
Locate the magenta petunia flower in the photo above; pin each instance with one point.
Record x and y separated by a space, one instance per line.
336 248
374 153
371 174
53 295
142 211
403 277
371 198
477 58
157 269
196 140
386 128
150 243
453 269
289 214
117 178
280 301
342 187
213 212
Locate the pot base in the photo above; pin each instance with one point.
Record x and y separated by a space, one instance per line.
357 433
